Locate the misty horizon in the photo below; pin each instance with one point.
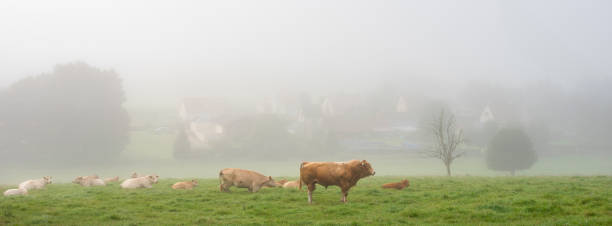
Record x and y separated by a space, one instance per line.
245 49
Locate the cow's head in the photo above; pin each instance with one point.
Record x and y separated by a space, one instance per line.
134 175
281 182
48 179
366 169
153 178
77 180
269 183
406 183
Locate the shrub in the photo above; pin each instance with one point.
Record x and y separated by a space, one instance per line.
73 113
510 150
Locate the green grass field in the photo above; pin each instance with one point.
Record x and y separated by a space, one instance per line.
428 200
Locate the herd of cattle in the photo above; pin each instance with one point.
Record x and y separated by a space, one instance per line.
342 174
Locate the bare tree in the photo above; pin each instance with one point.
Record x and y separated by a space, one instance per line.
446 138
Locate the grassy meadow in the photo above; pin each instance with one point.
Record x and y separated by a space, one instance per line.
429 200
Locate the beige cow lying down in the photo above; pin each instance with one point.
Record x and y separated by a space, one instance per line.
287 184
18 191
112 179
185 185
88 181
35 184
291 184
140 182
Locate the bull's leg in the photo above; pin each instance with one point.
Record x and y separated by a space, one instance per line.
311 188
344 195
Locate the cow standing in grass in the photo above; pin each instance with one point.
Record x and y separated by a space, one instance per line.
244 179
342 174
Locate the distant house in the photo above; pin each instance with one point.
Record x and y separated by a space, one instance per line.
327 107
486 115
270 106
203 120
401 106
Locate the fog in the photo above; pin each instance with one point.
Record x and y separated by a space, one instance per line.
544 66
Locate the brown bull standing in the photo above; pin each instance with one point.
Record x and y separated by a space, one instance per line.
342 174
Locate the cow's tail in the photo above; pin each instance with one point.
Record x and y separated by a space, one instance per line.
300 179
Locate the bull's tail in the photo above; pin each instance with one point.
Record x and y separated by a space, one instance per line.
300 179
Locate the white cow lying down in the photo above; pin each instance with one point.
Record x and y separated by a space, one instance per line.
140 182
18 191
89 181
35 184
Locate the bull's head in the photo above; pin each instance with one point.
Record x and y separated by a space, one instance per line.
367 169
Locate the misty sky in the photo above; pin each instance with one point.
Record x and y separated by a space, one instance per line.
190 48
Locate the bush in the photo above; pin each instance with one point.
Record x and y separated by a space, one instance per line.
510 150
73 114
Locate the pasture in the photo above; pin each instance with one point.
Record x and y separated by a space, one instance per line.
428 200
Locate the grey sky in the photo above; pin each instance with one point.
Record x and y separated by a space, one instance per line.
183 48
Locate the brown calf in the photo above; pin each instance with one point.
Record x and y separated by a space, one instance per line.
398 185
185 185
